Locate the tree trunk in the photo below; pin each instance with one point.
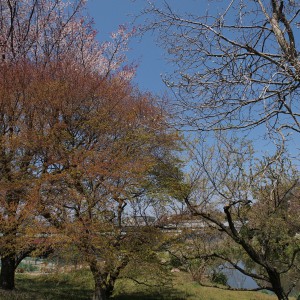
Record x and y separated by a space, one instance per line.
281 295
102 290
99 293
103 287
7 276
275 280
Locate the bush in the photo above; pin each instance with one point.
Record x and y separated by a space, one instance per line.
175 261
219 278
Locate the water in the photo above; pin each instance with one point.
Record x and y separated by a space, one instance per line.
236 279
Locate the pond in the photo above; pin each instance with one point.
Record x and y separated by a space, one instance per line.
236 279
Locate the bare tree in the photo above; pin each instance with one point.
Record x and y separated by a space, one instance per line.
237 63
250 207
237 67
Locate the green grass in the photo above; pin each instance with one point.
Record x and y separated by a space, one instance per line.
76 285
79 286
183 289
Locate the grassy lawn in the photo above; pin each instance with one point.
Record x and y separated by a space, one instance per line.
76 285
183 289
79 286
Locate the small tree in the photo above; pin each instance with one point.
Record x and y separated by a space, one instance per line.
99 148
249 208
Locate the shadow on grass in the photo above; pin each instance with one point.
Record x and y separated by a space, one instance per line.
49 289
62 288
165 293
46 289
143 296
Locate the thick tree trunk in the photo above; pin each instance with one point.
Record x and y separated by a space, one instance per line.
7 276
99 293
275 280
103 288
281 296
273 274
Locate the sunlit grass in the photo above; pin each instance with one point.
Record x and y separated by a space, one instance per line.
184 288
78 285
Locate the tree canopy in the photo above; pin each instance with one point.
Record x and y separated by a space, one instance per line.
77 139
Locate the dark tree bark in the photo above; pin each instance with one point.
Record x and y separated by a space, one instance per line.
9 265
100 293
7 276
276 284
103 286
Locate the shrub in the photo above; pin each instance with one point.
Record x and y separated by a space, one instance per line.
219 278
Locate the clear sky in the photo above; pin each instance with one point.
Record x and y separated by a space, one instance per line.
109 14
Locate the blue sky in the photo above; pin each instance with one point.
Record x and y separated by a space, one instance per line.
109 14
